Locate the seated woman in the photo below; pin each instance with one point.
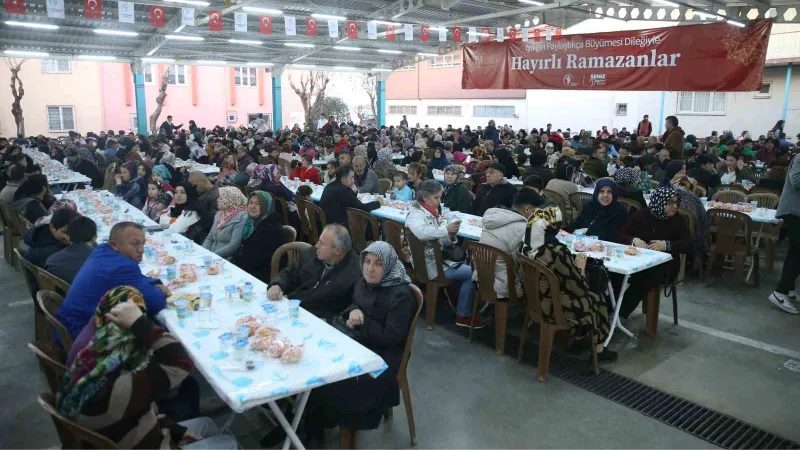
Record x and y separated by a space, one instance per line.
29 198
734 170
226 233
627 178
439 160
128 365
129 186
154 188
692 203
657 227
82 161
227 171
182 216
162 174
426 223
645 179
262 235
602 216
585 310
456 196
562 183
268 179
306 171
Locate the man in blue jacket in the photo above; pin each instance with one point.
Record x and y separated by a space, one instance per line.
111 265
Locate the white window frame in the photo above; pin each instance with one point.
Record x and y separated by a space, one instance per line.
713 98
55 63
61 118
768 94
402 110
145 67
243 74
436 110
441 61
494 111
406 68
618 109
175 73
133 122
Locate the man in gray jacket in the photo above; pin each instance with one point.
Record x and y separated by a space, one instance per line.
366 179
789 211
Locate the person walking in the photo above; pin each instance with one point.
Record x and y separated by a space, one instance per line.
789 211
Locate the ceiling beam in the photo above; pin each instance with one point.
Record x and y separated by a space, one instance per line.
510 12
398 9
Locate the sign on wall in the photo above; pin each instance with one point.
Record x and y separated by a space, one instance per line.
708 57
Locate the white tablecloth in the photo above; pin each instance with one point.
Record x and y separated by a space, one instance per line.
193 165
55 171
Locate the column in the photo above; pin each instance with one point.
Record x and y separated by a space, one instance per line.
277 100
786 91
661 117
141 105
381 103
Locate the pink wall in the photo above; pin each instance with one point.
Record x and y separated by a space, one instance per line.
438 83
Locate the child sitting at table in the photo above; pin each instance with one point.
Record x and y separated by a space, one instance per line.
330 174
154 188
401 191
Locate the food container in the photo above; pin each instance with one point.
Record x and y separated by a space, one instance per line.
182 309
294 309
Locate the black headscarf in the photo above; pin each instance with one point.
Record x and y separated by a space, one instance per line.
191 201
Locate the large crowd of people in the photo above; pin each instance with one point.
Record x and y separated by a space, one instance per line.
515 180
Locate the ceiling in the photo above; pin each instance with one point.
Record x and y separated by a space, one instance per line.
76 35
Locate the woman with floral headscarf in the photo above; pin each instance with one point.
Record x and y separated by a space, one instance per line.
268 178
162 174
128 365
262 235
229 225
129 186
627 178
384 162
227 171
58 204
585 310
456 196
657 227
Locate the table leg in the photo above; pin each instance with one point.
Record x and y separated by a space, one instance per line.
617 303
758 241
291 436
226 427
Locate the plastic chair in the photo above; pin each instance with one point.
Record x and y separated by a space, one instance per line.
289 233
765 200
673 288
11 236
30 272
50 282
700 190
358 221
733 239
630 205
51 362
729 196
385 184
73 435
534 276
284 208
49 302
770 233
314 218
432 286
763 190
393 235
292 251
558 199
732 187
578 199
484 260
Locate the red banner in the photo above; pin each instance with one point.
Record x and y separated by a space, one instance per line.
265 25
700 58
311 26
157 17
352 29
389 32
93 9
214 20
15 6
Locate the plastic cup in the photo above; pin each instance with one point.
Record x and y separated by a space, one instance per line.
207 259
231 294
247 291
242 332
182 308
171 272
754 205
272 313
225 342
294 309
240 350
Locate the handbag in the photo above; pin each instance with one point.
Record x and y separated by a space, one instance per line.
455 252
597 275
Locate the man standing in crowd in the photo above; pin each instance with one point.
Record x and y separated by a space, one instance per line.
167 128
645 127
673 138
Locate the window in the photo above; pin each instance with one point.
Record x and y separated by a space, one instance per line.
712 103
55 66
133 122
622 109
444 110
453 60
147 70
245 76
177 76
765 91
393 109
493 111
60 118
404 68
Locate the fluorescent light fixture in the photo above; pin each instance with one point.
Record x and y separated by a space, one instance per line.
347 49
391 52
210 61
517 26
25 53
328 17
532 2
705 15
97 57
433 55
39 26
189 2
344 68
158 60
115 32
527 23
267 11
735 23
183 37
303 66
244 41
378 69
298 45
668 3
259 64
384 22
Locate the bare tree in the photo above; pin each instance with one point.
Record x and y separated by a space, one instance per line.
162 95
361 113
17 91
312 93
369 83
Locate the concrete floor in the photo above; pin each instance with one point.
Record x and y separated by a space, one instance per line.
732 352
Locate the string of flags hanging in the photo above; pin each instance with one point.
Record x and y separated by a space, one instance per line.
93 9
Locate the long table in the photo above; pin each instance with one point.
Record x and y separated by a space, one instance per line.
207 169
329 356
55 171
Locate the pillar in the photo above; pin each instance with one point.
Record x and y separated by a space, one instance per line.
661 114
141 106
381 103
786 91
277 101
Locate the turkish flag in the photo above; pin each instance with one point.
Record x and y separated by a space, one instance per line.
558 34
390 32
352 29
15 6
311 26
426 33
214 20
512 35
157 17
456 34
537 35
265 25
486 34
93 9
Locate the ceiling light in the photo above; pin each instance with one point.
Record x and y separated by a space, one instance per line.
210 61
527 23
25 53
705 15
189 2
668 3
735 23
392 52
433 55
347 49
378 69
531 2
98 57
298 44
304 66
260 64
517 26
273 12
115 32
383 22
40 26
344 68
328 17
183 37
158 60
244 41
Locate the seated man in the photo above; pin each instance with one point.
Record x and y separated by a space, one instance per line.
596 166
495 192
338 195
111 265
48 238
322 278
16 175
65 264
